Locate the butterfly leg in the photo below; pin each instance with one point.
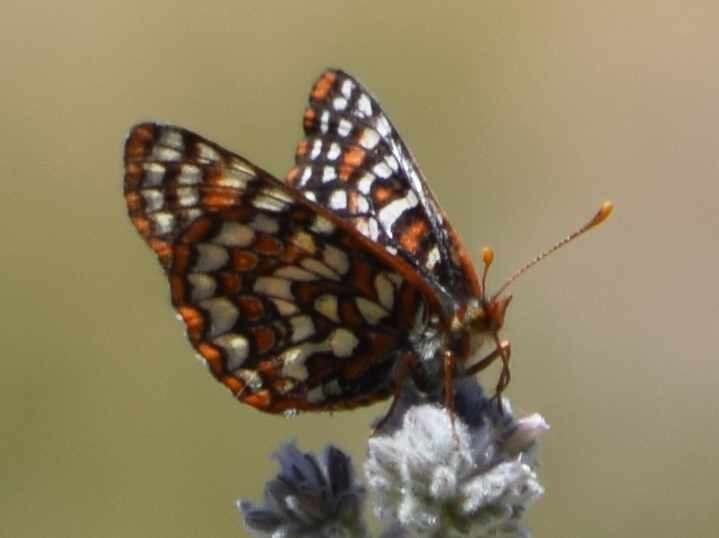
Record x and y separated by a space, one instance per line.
503 351
449 363
405 364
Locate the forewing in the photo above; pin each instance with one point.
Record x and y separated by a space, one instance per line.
353 161
290 307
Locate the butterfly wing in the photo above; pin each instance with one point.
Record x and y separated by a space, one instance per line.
353 161
287 303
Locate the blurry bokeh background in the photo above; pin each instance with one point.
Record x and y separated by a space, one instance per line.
524 116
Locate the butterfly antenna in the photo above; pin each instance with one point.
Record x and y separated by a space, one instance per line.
487 258
600 216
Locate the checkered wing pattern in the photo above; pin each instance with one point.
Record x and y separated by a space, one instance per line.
287 303
353 161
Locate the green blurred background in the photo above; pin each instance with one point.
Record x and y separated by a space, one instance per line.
524 116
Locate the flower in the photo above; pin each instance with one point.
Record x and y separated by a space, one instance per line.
434 476
310 497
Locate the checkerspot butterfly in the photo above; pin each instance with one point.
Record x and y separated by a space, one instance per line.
313 293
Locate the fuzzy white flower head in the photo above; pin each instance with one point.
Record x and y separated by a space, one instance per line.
311 497
431 478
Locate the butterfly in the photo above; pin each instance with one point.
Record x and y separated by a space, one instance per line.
324 291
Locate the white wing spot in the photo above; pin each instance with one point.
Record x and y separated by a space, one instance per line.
269 203
172 139
392 162
316 149
371 311
334 151
365 183
223 315
153 198
304 241
164 223
236 349
233 179
332 388
316 395
369 138
336 259
383 126
187 196
293 363
306 175
327 306
382 170
189 175
324 121
206 153
385 291
264 223
285 308
234 234
362 204
389 214
162 153
328 174
274 287
343 342
316 266
292 272
154 172
302 328
322 226
364 105
203 286
338 199
209 257
347 87
432 258
339 103
344 128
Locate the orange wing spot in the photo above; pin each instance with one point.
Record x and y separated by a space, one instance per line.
197 231
354 156
178 290
143 226
292 253
192 318
413 234
261 399
163 250
346 172
264 339
134 174
214 359
381 194
308 118
251 307
134 202
232 383
293 174
231 283
302 148
267 245
323 86
214 199
137 143
243 260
